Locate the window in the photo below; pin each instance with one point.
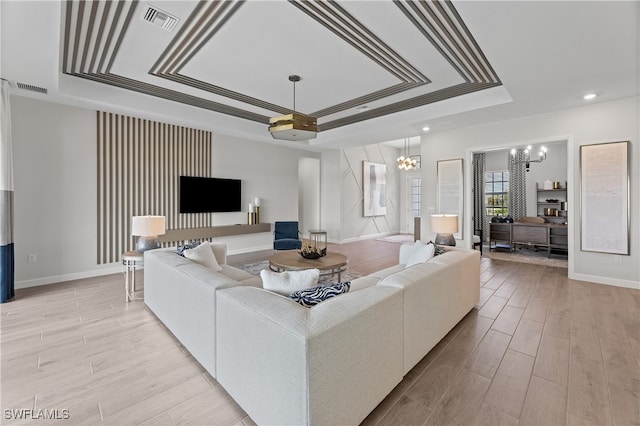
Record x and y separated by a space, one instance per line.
496 193
415 196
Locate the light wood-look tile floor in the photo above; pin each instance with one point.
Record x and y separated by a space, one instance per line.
539 349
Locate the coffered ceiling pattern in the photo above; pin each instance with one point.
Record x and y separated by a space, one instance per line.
102 38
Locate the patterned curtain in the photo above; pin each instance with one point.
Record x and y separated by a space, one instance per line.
517 185
478 193
7 264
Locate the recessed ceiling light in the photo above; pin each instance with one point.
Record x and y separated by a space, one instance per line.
589 96
425 129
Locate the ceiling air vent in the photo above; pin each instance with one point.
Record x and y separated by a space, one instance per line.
31 88
160 18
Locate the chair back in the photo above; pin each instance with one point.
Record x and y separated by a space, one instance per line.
286 230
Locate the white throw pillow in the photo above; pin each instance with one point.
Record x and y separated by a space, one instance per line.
419 253
203 255
288 282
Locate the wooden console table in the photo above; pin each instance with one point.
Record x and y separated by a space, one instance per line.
551 236
176 235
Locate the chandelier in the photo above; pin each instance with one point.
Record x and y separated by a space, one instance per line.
294 126
405 162
542 155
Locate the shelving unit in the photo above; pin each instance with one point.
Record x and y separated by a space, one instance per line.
559 194
558 238
500 236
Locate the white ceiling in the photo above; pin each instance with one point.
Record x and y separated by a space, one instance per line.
433 65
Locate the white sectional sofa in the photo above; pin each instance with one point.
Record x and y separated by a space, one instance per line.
332 363
182 294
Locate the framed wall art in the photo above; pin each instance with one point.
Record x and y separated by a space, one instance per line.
374 179
450 191
604 198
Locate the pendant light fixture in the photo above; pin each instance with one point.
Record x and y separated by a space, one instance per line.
294 126
542 155
405 162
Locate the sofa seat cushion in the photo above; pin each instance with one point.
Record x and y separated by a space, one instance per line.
235 273
411 275
206 276
363 282
383 273
252 282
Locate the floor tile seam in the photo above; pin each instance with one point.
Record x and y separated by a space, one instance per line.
157 391
517 325
626 340
568 364
572 360
528 384
484 401
455 377
453 381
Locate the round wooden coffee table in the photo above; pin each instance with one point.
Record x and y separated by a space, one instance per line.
332 263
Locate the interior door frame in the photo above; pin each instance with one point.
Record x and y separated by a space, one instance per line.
406 218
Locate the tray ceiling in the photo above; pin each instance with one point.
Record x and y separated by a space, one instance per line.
357 60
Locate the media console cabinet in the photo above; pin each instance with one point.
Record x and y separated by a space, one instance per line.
551 236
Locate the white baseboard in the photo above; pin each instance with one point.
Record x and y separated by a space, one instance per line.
117 268
249 249
605 280
106 270
366 237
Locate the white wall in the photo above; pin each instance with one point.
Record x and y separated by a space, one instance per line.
268 172
54 154
591 124
309 194
56 191
330 194
342 199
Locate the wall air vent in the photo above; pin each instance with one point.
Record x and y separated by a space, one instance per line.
160 18
31 88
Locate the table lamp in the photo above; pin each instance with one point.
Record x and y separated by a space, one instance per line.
444 225
147 228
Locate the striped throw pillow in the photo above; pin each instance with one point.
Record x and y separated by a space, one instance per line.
312 296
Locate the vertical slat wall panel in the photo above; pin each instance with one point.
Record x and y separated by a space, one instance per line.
139 163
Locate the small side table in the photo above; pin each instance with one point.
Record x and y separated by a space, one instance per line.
131 261
316 237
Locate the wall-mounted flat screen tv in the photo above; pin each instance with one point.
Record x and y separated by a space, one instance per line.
209 195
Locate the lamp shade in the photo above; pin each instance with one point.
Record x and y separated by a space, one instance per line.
147 226
444 223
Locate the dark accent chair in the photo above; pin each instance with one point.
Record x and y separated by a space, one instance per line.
286 236
477 239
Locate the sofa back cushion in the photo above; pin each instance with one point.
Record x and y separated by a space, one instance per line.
418 252
287 282
203 255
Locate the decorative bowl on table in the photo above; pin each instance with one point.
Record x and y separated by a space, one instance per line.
309 252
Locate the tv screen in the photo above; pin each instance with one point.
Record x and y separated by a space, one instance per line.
209 195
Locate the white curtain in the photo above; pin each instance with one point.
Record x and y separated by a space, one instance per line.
7 264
